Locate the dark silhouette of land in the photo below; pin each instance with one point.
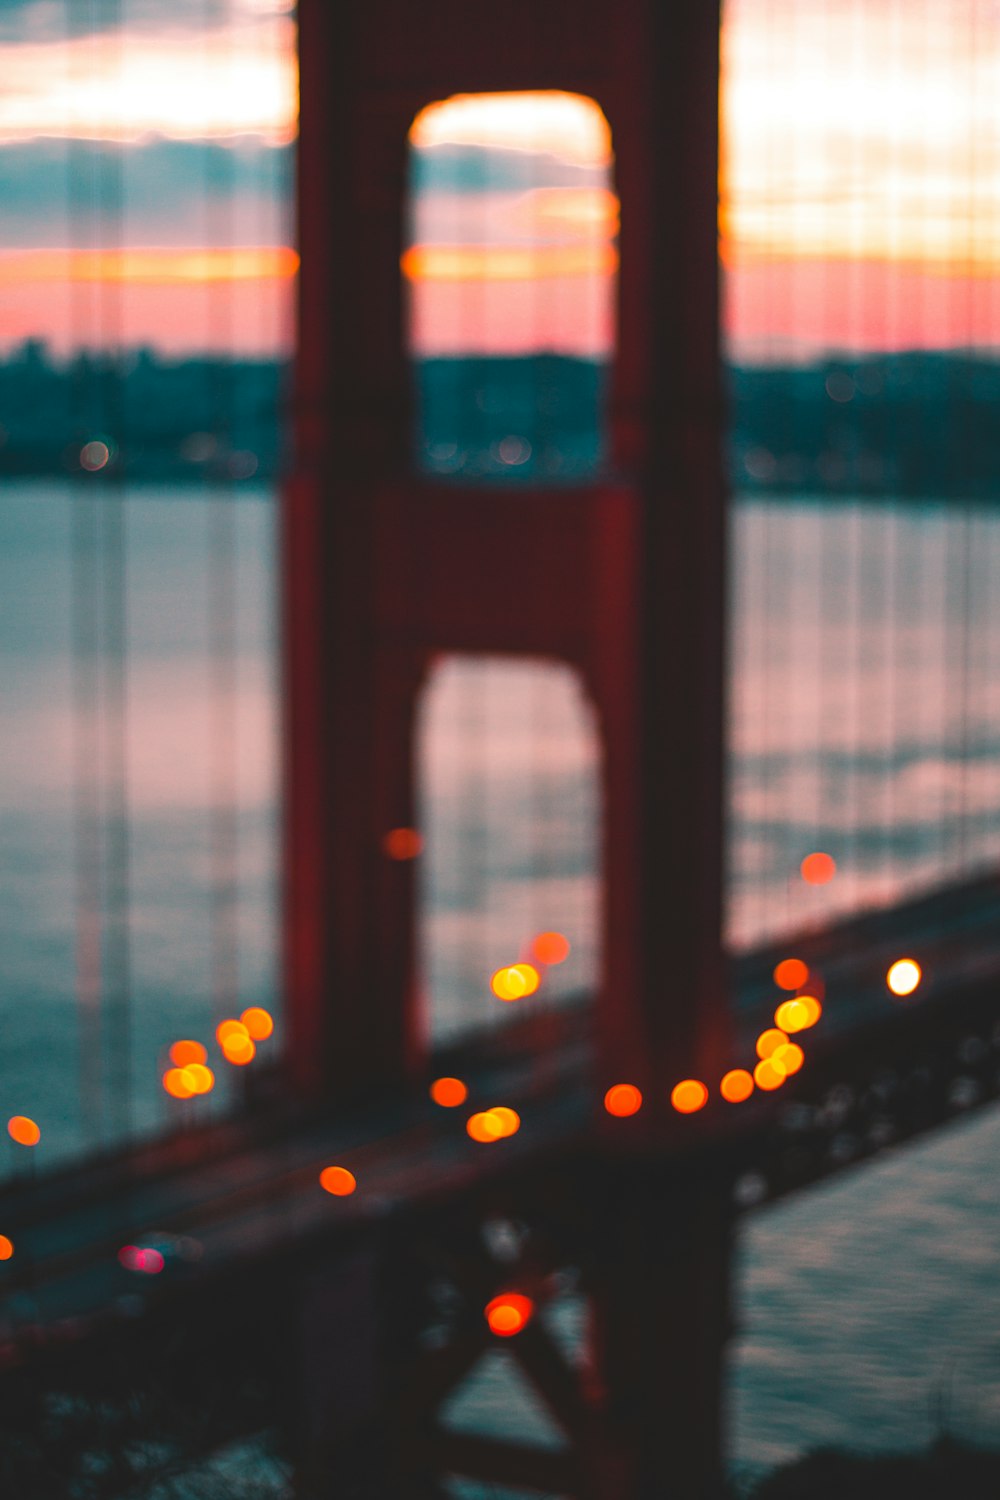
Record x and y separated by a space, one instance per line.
913 424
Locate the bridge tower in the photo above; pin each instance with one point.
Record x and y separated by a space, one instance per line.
622 578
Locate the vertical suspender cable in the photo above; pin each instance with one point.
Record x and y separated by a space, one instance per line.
221 604
118 947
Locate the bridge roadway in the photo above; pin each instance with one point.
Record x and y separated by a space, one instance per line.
235 1206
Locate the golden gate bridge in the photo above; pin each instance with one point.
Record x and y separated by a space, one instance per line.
329 1260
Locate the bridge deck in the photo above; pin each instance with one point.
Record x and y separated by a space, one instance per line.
243 1193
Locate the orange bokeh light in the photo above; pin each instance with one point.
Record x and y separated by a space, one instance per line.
903 976
818 868
515 981
509 1313
227 1029
200 1080
449 1092
689 1096
338 1181
239 1050
550 948
483 1127
403 843
177 1085
736 1086
769 1041
23 1130
798 1014
509 1119
6 1247
791 974
622 1100
790 1057
258 1023
182 1053
768 1074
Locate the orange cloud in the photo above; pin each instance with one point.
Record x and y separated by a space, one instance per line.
149 266
507 262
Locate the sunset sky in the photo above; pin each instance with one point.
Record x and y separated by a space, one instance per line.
860 190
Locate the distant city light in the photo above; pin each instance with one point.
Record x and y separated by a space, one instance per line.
791 974
403 843
688 1096
769 1041
94 456
184 1052
23 1130
448 1092
338 1181
736 1086
622 1100
818 868
903 976
550 948
258 1023
509 1313
515 981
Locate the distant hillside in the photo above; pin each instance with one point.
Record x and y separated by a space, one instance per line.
918 424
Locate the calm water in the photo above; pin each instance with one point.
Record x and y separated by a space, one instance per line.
865 721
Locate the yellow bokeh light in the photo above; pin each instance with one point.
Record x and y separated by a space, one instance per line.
6 1247
510 1120
789 1057
227 1029
903 976
515 981
485 1126
239 1050
200 1080
177 1084
768 1074
769 1041
798 1014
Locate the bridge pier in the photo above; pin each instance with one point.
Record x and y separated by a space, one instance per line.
661 1298
641 1413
